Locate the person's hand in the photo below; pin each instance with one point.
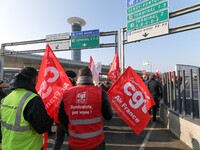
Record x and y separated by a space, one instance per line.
2 85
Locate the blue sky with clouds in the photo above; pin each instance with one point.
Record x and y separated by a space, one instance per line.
24 20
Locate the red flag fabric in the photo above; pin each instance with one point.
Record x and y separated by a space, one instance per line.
45 140
114 71
95 72
52 82
131 99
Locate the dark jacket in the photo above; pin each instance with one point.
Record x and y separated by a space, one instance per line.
107 112
34 112
104 87
154 88
2 93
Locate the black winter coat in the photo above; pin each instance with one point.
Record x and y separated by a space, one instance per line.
154 89
34 112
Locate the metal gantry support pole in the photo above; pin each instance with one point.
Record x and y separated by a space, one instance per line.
174 91
2 60
184 94
170 91
198 84
191 94
179 92
122 49
184 11
116 42
25 42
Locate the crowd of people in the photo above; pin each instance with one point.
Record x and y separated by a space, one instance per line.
24 118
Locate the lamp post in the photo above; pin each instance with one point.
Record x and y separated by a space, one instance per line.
148 63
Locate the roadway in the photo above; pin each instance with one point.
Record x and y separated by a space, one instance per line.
118 136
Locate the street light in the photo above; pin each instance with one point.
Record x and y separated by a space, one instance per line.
148 63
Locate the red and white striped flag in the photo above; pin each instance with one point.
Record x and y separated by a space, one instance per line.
95 72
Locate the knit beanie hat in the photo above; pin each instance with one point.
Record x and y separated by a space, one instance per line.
29 72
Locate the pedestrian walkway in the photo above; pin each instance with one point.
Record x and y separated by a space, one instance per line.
120 137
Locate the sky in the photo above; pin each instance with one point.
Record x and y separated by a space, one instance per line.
23 20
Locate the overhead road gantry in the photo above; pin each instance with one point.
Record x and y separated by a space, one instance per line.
146 35
19 59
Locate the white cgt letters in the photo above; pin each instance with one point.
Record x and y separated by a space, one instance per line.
134 102
45 86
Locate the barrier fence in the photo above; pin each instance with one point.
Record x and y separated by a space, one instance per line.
181 93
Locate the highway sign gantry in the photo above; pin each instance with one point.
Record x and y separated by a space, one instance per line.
85 39
58 41
146 18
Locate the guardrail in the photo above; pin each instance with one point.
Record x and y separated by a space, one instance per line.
181 93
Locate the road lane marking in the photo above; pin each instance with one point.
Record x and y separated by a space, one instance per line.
122 145
144 143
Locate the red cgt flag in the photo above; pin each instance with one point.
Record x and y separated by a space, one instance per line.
52 82
131 100
114 71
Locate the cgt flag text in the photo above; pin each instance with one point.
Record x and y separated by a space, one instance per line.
52 82
131 100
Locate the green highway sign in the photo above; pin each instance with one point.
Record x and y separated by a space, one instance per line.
85 39
148 20
138 6
143 13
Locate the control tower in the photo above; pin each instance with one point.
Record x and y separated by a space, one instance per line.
76 25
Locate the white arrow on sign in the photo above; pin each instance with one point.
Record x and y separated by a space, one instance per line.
147 32
84 44
63 42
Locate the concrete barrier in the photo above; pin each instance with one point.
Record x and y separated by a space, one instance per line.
187 130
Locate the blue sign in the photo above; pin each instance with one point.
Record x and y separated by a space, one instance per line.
85 39
85 33
133 2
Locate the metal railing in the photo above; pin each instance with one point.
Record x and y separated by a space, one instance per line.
181 93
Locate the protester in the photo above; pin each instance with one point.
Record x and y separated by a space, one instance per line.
2 92
106 84
81 112
61 129
72 76
145 78
23 114
2 95
154 89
